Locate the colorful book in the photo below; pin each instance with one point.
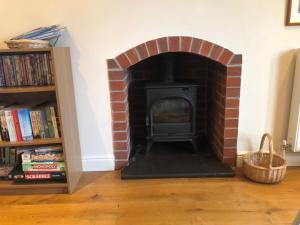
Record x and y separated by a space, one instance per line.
34 124
54 123
43 166
25 125
40 123
49 122
10 125
4 130
32 156
17 124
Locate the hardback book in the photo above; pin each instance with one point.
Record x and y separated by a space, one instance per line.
17 124
35 124
25 124
10 125
49 122
54 123
2 76
4 130
45 123
40 123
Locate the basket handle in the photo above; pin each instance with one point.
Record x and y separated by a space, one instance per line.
271 150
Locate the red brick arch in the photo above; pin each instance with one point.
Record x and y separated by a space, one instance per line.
230 90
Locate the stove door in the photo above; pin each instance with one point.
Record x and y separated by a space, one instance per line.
171 116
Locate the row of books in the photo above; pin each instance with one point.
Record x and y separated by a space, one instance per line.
26 70
26 124
41 163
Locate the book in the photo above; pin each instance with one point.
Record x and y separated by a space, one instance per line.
2 76
17 124
45 123
49 122
40 123
52 156
4 130
34 124
25 124
43 166
10 125
54 123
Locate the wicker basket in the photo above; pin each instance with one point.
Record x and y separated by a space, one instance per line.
264 167
25 43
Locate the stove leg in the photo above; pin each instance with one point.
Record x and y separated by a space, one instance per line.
148 147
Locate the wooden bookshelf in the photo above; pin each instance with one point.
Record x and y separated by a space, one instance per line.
27 89
34 142
9 187
63 93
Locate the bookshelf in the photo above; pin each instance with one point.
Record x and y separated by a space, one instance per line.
62 94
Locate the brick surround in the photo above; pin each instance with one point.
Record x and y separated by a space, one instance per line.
220 69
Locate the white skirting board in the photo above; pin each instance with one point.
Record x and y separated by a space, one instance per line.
98 163
293 158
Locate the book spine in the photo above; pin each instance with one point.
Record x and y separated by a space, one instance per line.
25 124
49 122
40 124
45 123
4 130
16 67
6 70
12 71
34 124
54 123
10 125
49 62
2 75
17 124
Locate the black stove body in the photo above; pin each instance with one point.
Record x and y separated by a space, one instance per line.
171 109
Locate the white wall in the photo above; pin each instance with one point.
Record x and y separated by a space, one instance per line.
101 29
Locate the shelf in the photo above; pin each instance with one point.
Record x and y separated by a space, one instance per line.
8 90
42 141
11 187
24 50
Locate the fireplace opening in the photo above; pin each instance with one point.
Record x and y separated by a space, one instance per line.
173 111
202 120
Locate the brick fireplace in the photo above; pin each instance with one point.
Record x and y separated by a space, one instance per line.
215 69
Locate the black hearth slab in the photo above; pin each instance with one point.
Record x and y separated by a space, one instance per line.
175 160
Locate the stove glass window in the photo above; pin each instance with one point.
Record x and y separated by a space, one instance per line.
171 110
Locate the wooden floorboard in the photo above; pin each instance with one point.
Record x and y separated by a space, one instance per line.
103 198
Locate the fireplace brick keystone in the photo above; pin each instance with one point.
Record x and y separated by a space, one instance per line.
174 44
185 44
152 47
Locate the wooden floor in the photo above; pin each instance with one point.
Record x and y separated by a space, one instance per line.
105 199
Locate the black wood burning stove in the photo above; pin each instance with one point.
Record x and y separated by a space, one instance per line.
171 109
